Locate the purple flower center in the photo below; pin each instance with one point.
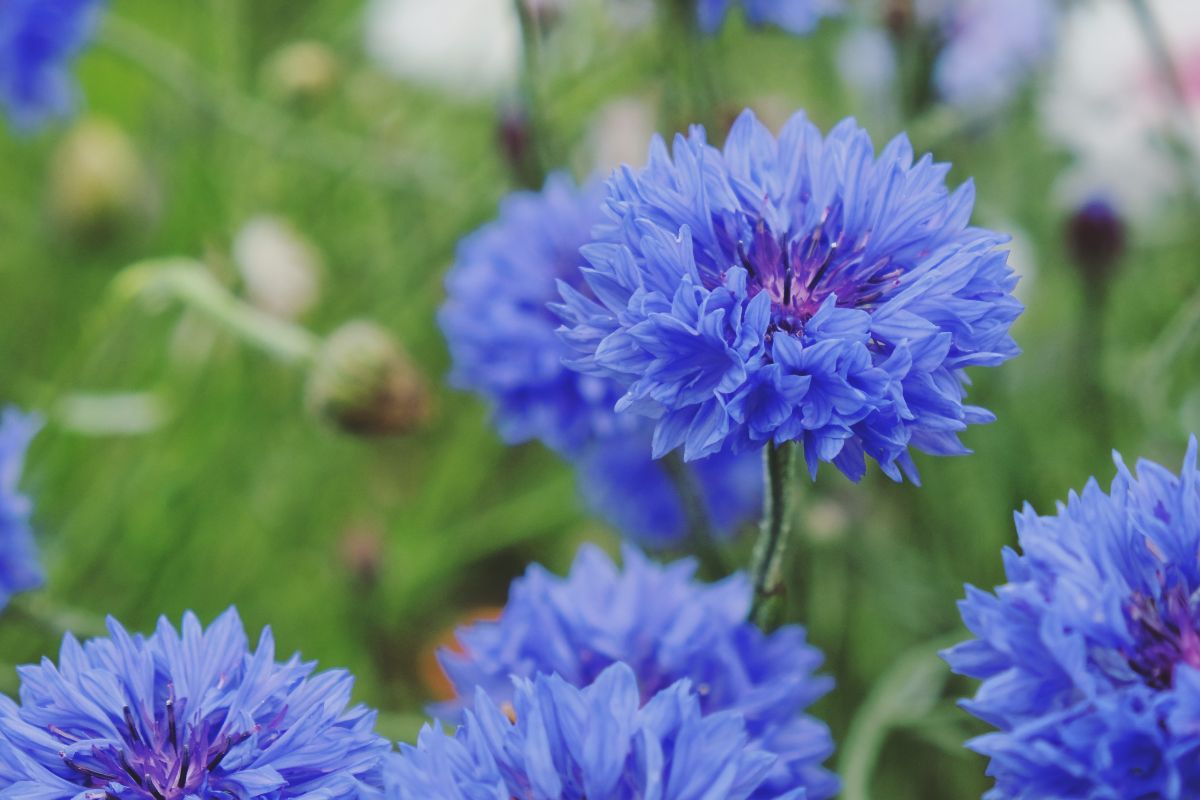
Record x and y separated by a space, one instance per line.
1165 634
158 758
799 271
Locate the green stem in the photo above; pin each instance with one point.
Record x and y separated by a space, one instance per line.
767 570
693 97
701 539
191 284
536 164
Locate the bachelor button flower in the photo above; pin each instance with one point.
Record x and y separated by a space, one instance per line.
794 16
667 627
800 289
992 48
500 333
19 570
503 345
174 716
1090 654
556 741
38 40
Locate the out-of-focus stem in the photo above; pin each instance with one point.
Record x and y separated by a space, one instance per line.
700 540
767 569
532 172
190 283
691 94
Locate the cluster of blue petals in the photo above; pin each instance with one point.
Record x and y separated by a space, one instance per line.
504 347
992 48
794 16
793 289
189 714
556 741
38 41
1090 654
19 568
666 627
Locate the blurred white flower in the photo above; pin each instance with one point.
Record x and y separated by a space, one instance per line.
1107 103
471 48
620 133
279 267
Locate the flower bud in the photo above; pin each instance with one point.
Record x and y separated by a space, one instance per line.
1096 239
365 384
99 186
301 74
279 268
361 550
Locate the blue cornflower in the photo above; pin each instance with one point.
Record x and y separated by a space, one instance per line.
992 47
555 741
799 289
185 715
794 16
500 333
38 40
667 627
1090 654
504 347
19 569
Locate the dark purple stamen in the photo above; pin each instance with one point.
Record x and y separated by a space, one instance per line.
164 757
800 271
1165 634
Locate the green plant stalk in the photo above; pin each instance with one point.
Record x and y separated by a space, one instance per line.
693 97
701 538
767 568
537 165
190 283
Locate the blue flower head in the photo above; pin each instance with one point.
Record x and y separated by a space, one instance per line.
555 741
992 48
38 41
504 347
666 627
19 569
191 714
793 289
794 16
1090 654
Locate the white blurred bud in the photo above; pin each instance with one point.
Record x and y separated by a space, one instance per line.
301 73
280 269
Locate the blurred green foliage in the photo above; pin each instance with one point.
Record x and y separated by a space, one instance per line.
243 498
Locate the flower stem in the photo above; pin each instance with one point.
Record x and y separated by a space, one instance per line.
537 162
767 570
700 540
188 282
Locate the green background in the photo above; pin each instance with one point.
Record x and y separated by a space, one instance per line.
244 498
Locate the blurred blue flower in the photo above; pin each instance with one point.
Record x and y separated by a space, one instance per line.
38 40
504 347
992 47
1090 654
19 569
500 333
185 716
667 627
799 289
794 16
604 741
